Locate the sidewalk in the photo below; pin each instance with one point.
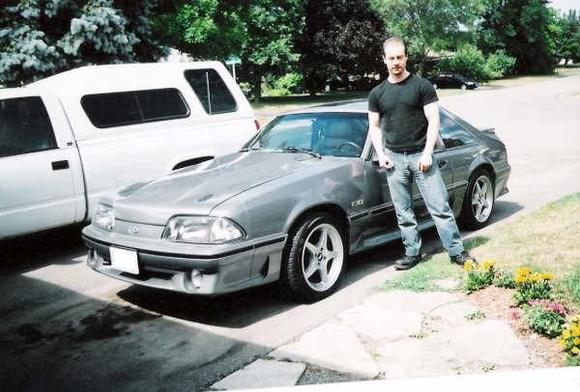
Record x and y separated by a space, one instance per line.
397 336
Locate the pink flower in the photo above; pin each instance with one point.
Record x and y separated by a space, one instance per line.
515 314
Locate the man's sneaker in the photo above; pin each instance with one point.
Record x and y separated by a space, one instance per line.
462 258
407 262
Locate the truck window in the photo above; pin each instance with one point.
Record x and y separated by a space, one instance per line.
24 127
211 91
134 107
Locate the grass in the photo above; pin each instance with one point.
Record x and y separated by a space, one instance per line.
424 276
546 239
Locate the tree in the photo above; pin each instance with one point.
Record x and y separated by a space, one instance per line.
205 29
260 32
430 25
340 38
568 37
42 37
525 29
272 27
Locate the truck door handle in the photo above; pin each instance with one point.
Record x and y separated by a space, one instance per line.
442 163
60 165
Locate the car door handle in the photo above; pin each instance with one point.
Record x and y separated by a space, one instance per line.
442 163
60 165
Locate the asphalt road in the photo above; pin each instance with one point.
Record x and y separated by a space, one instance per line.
65 327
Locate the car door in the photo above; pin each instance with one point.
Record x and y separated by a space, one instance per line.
460 148
382 217
39 187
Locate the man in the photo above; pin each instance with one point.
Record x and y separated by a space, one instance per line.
404 128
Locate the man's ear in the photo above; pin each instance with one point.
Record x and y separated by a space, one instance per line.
384 59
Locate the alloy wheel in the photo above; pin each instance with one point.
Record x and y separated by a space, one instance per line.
322 257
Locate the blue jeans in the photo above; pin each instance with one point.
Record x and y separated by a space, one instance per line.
432 188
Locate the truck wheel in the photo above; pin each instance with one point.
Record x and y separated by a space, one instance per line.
479 200
314 257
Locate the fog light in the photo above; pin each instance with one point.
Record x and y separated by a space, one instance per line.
196 278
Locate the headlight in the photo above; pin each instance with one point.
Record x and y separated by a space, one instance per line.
104 217
202 230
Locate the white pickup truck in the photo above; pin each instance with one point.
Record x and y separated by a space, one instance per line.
68 139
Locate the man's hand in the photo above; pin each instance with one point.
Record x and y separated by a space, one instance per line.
425 162
385 163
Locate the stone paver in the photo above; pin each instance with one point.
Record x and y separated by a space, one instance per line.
400 334
333 346
417 357
263 373
490 341
411 301
376 322
451 315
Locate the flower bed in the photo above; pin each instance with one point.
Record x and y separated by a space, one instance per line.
533 300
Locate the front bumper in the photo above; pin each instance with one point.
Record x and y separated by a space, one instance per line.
220 272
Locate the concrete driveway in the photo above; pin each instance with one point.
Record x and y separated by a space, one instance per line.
65 327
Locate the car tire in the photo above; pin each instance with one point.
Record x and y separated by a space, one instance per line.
314 258
435 86
479 200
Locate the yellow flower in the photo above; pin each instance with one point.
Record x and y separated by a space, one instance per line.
575 330
575 350
488 264
522 274
469 266
577 341
523 271
548 276
535 277
565 334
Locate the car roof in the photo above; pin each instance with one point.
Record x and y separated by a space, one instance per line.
351 106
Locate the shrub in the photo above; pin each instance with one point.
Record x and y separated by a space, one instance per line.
499 64
546 317
532 285
290 83
504 279
480 276
467 61
570 340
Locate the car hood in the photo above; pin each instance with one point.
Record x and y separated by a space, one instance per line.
197 190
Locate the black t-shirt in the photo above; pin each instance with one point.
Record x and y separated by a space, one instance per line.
400 106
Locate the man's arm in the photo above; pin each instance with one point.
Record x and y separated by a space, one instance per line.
377 139
432 113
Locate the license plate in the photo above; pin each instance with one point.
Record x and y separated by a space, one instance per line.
124 260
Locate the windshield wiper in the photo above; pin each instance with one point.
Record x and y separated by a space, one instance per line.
294 149
246 149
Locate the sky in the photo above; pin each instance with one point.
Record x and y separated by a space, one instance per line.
565 5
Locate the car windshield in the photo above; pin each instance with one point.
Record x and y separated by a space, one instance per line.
327 134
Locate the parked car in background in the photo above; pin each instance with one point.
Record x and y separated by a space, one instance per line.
70 138
452 81
292 205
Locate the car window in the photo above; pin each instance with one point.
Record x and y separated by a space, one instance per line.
453 134
134 107
211 91
24 127
332 134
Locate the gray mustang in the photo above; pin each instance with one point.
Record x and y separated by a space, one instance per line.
292 205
